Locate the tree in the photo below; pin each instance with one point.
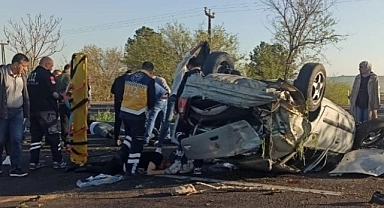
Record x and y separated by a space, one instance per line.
303 27
148 45
34 36
178 37
221 41
104 65
166 48
267 61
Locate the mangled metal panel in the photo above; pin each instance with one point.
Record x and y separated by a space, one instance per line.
226 141
230 89
363 161
288 129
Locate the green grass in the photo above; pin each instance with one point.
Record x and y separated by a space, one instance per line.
103 115
338 92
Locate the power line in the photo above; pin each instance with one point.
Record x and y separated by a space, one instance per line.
131 21
121 26
159 18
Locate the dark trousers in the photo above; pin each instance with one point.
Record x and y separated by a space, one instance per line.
45 123
133 143
7 144
64 113
117 124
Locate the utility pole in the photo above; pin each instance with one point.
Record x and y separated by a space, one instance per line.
3 44
210 17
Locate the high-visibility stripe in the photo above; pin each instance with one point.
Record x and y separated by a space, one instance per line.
35 143
36 147
128 138
135 155
132 161
127 143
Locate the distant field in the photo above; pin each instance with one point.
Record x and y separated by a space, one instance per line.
349 80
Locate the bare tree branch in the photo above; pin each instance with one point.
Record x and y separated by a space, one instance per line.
303 26
34 36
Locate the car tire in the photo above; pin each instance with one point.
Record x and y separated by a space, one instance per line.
218 62
369 134
311 81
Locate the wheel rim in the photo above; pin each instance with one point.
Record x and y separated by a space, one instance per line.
372 138
318 86
223 67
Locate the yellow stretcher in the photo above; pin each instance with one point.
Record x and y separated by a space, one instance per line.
79 105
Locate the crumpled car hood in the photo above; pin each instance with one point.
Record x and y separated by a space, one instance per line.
363 161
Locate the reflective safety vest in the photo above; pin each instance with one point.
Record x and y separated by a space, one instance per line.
135 92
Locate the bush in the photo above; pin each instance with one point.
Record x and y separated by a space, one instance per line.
106 116
337 92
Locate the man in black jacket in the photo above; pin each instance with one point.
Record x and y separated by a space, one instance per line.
44 113
117 90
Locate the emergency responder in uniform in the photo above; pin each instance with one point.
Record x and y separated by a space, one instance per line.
139 96
44 113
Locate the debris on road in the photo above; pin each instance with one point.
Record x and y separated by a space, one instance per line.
247 186
362 161
99 180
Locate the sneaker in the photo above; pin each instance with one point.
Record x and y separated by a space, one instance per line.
187 168
197 171
59 165
17 173
34 166
175 167
7 161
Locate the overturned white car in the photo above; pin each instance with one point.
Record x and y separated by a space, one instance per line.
269 126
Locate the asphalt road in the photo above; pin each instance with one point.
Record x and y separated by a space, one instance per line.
57 188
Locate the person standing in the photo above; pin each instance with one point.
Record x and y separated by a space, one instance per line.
183 130
117 90
62 83
14 109
178 76
139 96
160 106
44 113
365 95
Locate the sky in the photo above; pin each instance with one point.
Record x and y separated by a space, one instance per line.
109 23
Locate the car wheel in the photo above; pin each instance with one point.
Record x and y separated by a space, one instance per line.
218 62
369 134
311 81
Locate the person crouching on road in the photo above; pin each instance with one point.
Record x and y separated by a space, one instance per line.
150 163
139 96
44 113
